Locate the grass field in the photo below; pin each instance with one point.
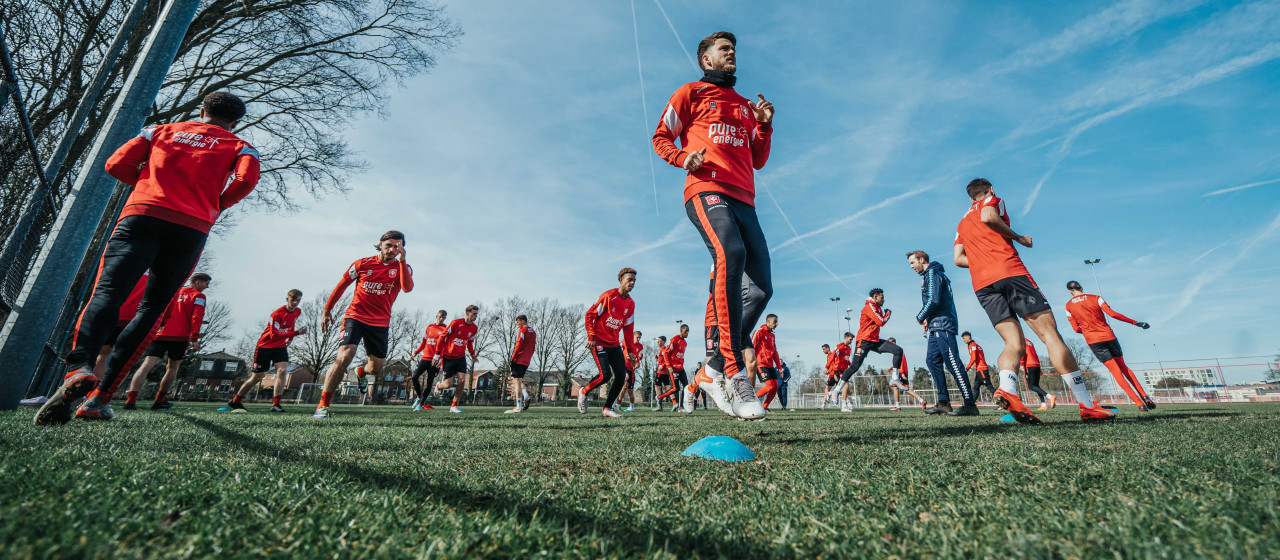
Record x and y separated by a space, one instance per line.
1182 482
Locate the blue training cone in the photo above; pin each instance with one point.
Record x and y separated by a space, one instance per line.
1007 418
723 448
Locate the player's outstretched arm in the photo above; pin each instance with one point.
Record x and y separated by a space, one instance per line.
1116 315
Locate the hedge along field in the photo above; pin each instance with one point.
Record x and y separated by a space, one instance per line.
378 482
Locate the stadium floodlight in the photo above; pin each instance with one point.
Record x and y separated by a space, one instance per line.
834 300
1091 264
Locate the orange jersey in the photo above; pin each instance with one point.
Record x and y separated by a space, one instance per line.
636 356
843 353
832 362
186 173
526 339
430 340
280 328
377 286
976 357
871 320
675 356
1030 358
701 115
766 348
610 314
183 317
664 362
1085 312
457 338
991 256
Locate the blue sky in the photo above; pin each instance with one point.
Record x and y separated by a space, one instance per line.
1143 133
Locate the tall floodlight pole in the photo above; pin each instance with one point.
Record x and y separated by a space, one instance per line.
1093 268
836 300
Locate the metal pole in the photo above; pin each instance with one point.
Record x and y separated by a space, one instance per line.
1223 380
27 329
22 226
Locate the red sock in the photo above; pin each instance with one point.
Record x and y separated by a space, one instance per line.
275 401
768 391
455 400
1123 381
132 398
160 397
1133 379
360 371
236 399
325 397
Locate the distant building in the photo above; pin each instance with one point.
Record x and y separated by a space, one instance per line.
216 371
1205 376
295 376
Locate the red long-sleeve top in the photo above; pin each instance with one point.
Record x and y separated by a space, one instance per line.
976 357
611 314
701 115
1085 312
377 286
183 317
872 318
526 340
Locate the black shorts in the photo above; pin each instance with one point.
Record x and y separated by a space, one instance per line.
832 380
1033 372
768 374
1013 296
518 370
374 338
115 334
1106 350
680 375
454 366
173 349
264 358
425 365
662 378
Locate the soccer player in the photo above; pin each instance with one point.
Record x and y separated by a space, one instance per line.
613 312
873 317
834 369
1004 287
451 354
900 380
723 138
127 312
937 317
273 349
526 340
1085 313
379 280
784 378
178 334
675 360
767 359
634 359
977 363
1030 365
662 377
183 176
425 352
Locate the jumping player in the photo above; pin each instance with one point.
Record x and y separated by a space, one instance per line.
425 352
767 359
613 312
379 280
451 354
662 377
873 317
1004 287
179 333
635 359
1085 313
1030 365
977 363
273 349
183 176
724 137
834 371
526 340
938 318
900 380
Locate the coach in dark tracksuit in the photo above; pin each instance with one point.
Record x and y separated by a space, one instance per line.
938 317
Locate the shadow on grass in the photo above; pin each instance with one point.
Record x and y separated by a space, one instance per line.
627 533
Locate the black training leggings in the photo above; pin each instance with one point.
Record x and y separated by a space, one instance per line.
424 366
866 347
138 243
1033 381
741 281
612 365
982 379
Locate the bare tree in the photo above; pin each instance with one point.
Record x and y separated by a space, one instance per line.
217 325
569 337
317 349
813 381
246 345
406 329
540 315
1087 361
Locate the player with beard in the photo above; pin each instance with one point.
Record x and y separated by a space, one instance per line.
723 138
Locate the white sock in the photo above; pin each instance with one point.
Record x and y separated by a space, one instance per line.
1078 388
525 393
835 391
1009 381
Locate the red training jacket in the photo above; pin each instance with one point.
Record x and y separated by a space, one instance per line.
377 286
610 314
526 339
458 337
701 115
871 320
183 317
280 330
1085 312
766 348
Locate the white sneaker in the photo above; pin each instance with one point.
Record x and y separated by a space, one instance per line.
511 411
322 412
848 407
690 401
822 405
609 413
745 404
712 382
582 403
455 410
